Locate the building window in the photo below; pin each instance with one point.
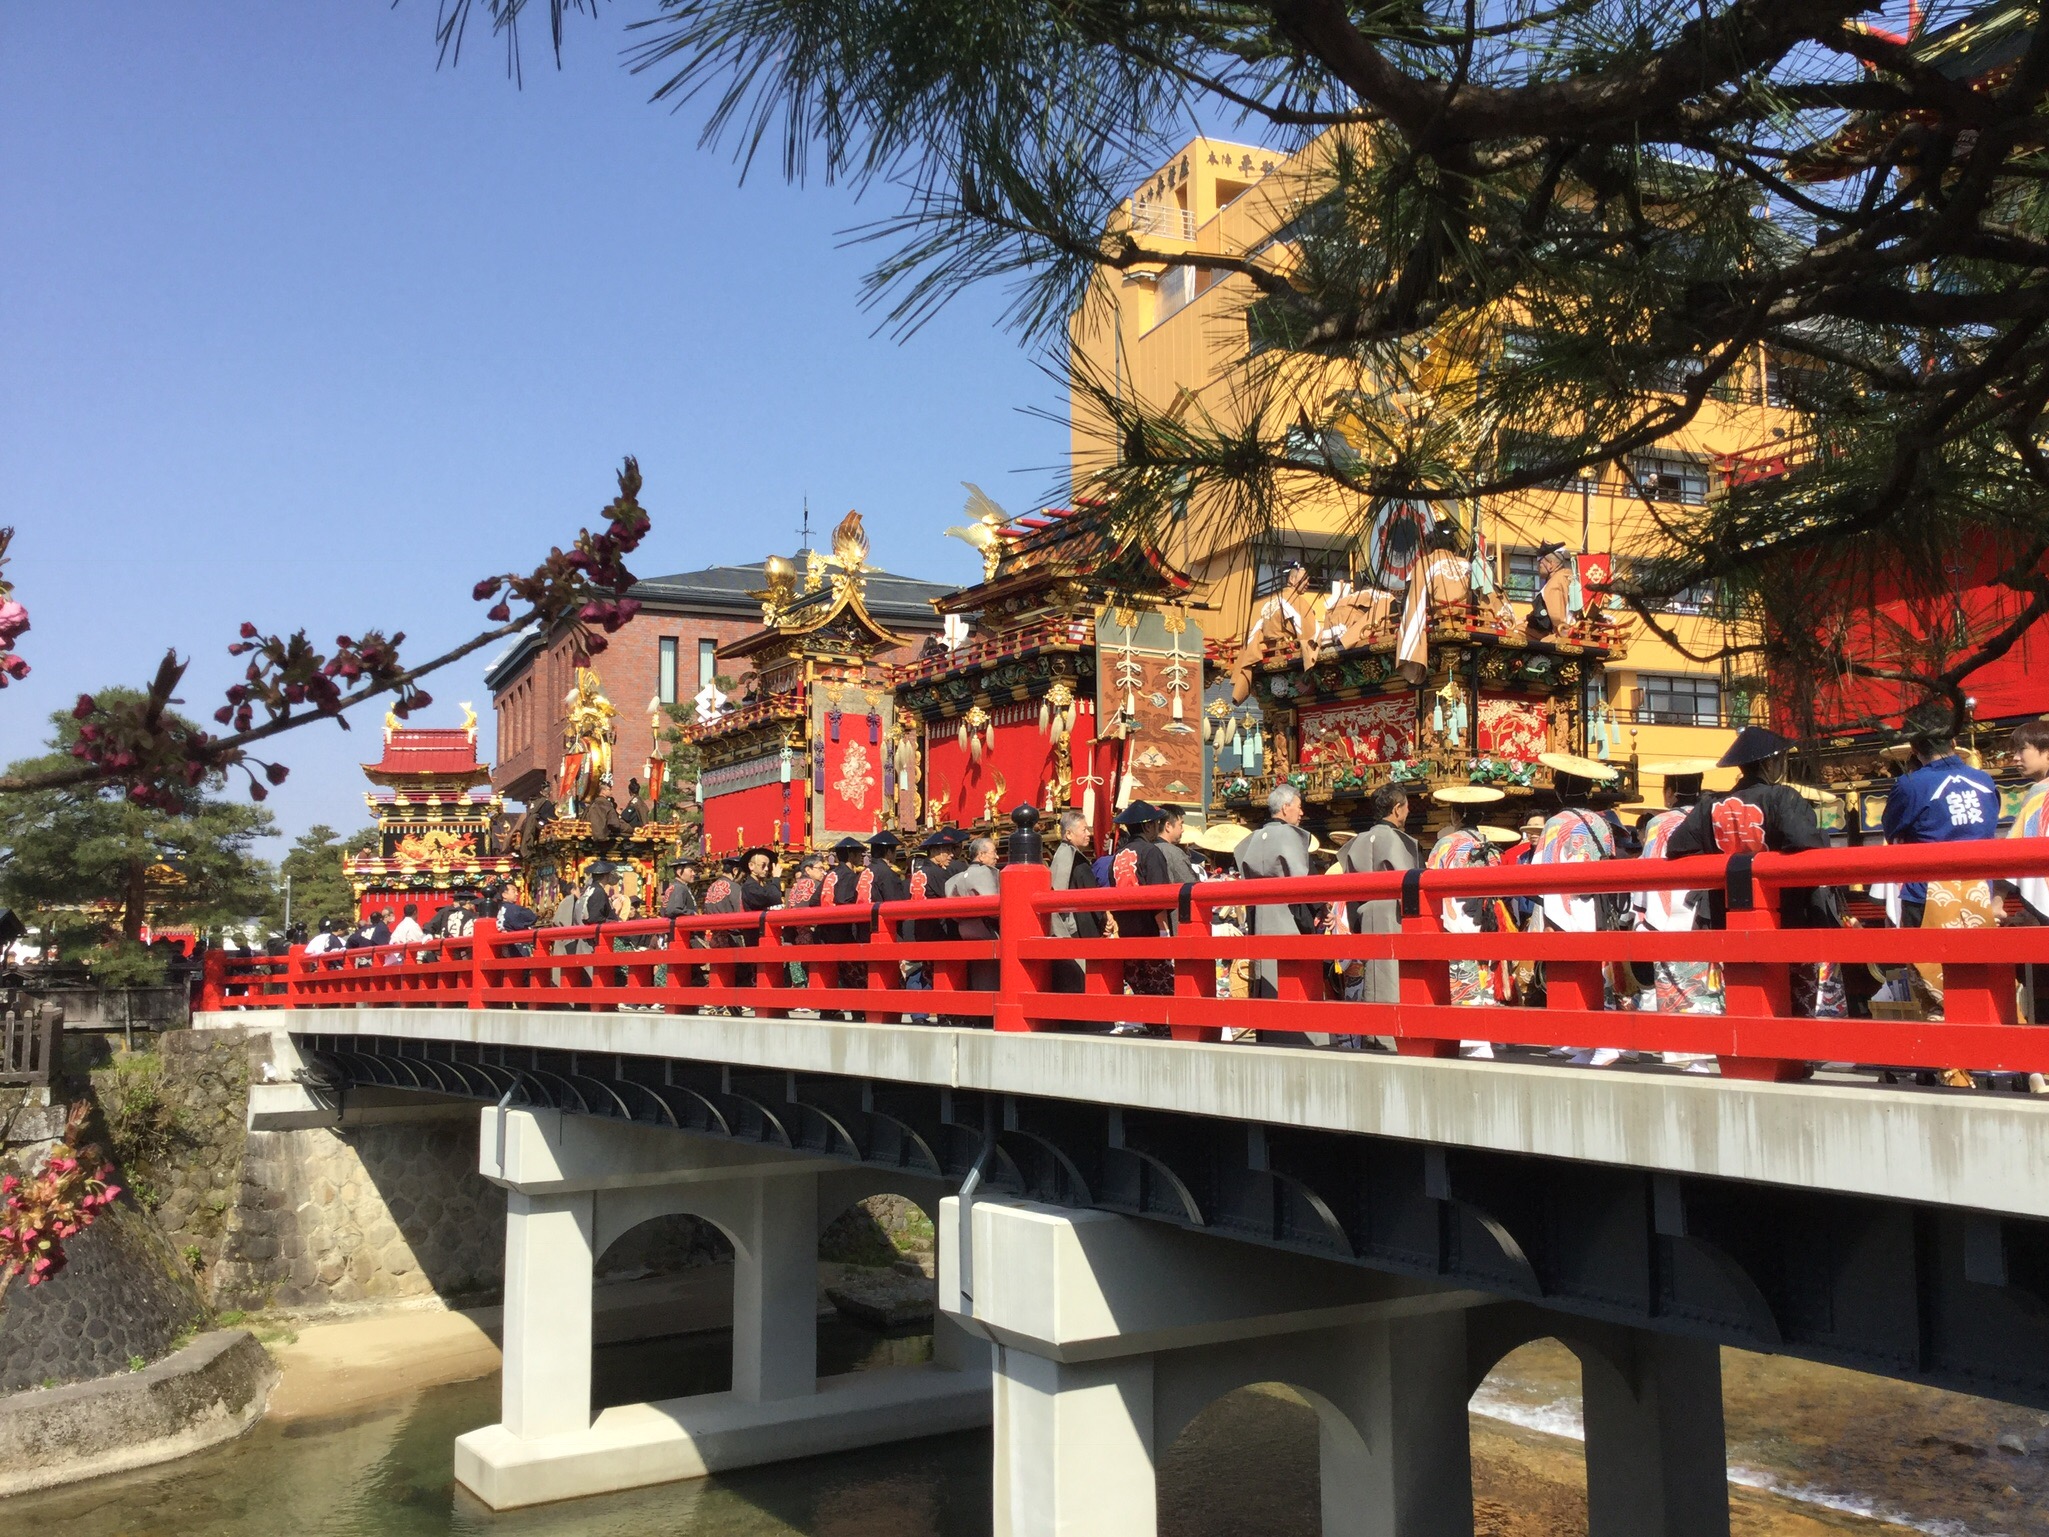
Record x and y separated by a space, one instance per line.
1669 478
1679 699
665 677
1326 560
1526 450
1519 579
707 663
1791 385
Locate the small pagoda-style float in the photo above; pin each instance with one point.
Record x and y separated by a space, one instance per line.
805 757
1076 683
1450 684
435 812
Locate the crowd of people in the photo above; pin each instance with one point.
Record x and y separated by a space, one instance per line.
1940 795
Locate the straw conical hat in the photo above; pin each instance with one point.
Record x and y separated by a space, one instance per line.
1680 767
1815 794
1224 837
1574 764
1467 795
1501 835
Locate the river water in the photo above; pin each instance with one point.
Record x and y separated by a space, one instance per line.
1813 1451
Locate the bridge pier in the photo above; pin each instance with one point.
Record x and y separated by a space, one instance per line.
576 1183
1113 1334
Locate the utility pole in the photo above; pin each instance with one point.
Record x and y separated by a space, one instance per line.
288 904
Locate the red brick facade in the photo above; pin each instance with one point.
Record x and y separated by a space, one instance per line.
531 711
529 691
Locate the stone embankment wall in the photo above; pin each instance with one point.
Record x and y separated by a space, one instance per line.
123 1298
305 1219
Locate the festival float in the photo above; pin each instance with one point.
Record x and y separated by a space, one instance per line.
808 753
439 824
1074 681
1423 673
559 839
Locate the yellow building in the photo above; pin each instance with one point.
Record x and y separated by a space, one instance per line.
1177 339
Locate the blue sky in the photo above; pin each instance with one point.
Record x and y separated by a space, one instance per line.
295 327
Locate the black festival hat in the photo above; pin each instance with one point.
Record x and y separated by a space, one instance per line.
1138 813
848 846
1753 744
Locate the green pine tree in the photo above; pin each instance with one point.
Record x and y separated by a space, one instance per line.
90 867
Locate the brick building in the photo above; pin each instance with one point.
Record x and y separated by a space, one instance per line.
667 652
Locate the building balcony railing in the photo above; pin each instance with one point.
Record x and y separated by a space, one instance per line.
1162 219
1725 717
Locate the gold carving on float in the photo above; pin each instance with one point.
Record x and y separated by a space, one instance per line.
437 843
992 803
984 534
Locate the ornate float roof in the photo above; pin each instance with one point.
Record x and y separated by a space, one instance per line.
822 611
1077 545
414 755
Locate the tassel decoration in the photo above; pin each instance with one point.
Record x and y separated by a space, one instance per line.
1045 717
874 729
962 734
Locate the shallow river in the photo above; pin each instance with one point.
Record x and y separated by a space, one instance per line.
1813 1451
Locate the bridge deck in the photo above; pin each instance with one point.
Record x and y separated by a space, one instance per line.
1977 1151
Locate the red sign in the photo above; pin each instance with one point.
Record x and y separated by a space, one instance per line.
1595 572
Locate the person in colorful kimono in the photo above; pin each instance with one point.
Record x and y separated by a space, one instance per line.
1680 987
2028 902
1462 846
1139 861
1575 834
2029 745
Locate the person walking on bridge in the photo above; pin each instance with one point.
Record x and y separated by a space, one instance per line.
1679 987
722 898
1278 849
1139 861
1463 846
1577 834
1765 814
841 888
1384 845
1942 800
927 881
1072 870
977 878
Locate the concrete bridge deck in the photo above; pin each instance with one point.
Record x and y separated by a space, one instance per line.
1977 1151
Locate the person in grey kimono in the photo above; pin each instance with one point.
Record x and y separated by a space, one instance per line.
1382 846
977 878
1278 849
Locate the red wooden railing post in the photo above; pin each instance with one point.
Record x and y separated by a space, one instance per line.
1423 983
295 965
1761 989
213 979
1195 979
482 932
1017 920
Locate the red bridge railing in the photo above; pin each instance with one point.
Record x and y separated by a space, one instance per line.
782 961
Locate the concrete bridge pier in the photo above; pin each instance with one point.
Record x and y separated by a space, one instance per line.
576 1183
1112 1334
